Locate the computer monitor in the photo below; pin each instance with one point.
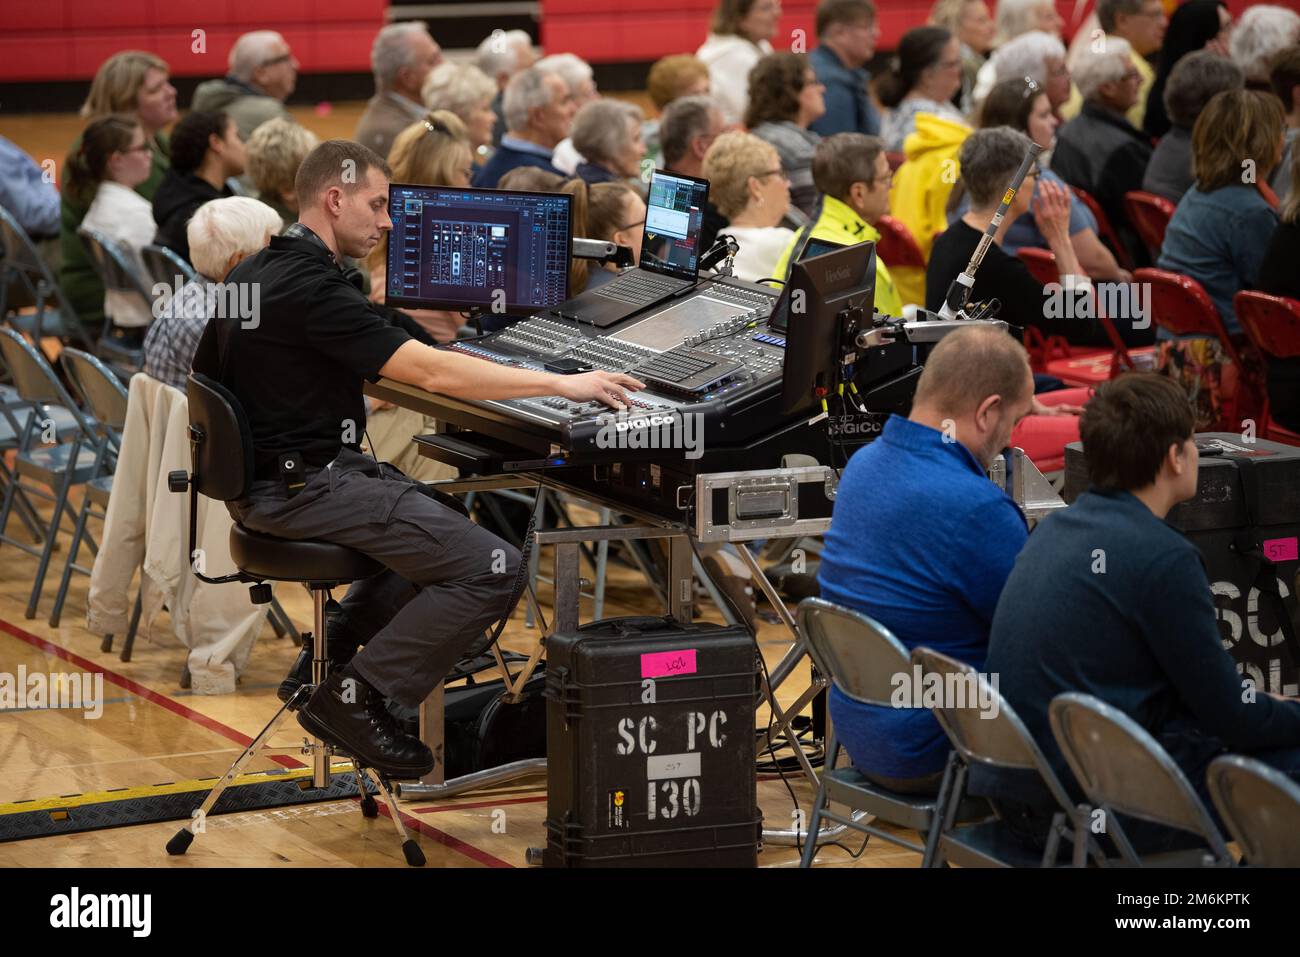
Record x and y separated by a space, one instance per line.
496 250
818 290
670 241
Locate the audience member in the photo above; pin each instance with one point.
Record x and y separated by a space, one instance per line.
1013 19
989 159
972 24
851 172
539 113
537 180
1022 105
1284 78
1262 31
130 82
880 556
785 96
608 133
1108 599
500 56
739 35
206 151
1194 26
1037 55
1221 227
688 128
262 74
221 234
29 194
275 151
464 89
402 58
1142 24
751 190
927 76
615 213
671 78
581 81
1278 276
1192 83
1099 150
847 32
103 177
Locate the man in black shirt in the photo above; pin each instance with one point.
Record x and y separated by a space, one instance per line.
297 368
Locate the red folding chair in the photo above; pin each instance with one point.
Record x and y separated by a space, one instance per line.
897 246
895 160
1104 229
1180 305
1076 365
1272 324
1150 215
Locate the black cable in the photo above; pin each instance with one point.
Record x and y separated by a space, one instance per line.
521 573
779 282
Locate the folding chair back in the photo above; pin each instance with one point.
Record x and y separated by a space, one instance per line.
103 392
857 653
1260 807
164 266
114 265
22 263
897 246
1105 229
1122 768
33 377
1150 215
1272 323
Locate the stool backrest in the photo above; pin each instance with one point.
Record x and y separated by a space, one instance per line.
857 653
1260 807
103 391
1122 768
222 440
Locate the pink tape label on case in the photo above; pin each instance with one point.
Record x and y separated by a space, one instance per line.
1281 549
665 664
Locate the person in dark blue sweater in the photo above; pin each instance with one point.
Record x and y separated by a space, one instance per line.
539 112
1110 600
922 541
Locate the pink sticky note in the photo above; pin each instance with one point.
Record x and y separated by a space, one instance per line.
665 664
1281 549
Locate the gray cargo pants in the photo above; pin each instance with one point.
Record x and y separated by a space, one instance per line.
446 581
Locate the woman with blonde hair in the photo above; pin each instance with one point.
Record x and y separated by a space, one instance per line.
467 91
275 151
131 83
750 188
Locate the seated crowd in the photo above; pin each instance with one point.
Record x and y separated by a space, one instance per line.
811 147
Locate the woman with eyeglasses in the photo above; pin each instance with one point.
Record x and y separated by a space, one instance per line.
785 96
103 176
131 83
739 36
750 188
973 25
926 75
1024 105
615 213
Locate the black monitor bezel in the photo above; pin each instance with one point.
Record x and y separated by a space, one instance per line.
655 268
455 305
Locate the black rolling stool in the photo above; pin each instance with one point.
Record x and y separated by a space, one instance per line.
221 447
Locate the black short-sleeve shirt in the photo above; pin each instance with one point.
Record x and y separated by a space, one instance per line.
298 369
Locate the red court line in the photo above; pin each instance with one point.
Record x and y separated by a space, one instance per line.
85 664
466 807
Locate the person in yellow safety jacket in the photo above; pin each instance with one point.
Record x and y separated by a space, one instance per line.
852 174
919 196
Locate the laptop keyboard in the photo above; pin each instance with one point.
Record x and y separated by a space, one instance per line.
637 288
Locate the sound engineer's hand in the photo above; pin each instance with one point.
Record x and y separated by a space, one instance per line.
606 387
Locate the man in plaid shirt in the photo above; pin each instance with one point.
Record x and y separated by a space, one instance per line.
221 233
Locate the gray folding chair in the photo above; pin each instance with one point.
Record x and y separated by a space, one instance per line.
165 267
861 657
58 466
1260 807
120 274
999 741
22 267
1124 770
105 398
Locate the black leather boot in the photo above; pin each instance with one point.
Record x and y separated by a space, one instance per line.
339 648
349 714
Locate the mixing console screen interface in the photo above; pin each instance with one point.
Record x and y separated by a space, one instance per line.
498 250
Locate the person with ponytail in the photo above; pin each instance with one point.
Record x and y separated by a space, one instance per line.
102 177
132 83
925 76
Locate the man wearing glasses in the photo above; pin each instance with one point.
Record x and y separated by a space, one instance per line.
263 73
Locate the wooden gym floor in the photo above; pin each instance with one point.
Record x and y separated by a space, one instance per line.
152 732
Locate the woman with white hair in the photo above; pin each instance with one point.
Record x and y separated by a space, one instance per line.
1260 34
1015 18
749 187
608 134
466 91
1099 150
222 233
1036 54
